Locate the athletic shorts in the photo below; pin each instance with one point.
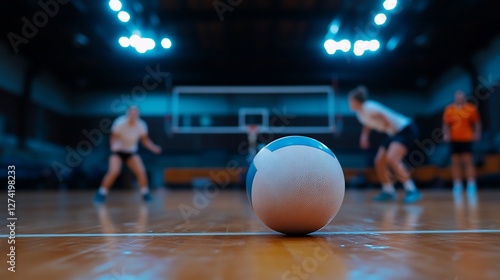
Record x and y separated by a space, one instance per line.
124 155
461 147
406 136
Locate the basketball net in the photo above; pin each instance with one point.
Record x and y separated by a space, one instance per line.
253 133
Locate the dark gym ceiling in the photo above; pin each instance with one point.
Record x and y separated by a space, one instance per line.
258 42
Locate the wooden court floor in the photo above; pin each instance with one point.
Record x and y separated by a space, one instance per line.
64 236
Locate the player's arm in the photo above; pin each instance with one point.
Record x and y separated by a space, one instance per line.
477 131
364 141
446 132
148 144
477 125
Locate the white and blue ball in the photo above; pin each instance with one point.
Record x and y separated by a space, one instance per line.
295 185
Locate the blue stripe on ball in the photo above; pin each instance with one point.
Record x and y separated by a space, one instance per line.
250 176
298 140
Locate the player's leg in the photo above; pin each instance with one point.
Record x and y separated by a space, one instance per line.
395 154
135 164
456 172
470 172
388 192
457 149
114 168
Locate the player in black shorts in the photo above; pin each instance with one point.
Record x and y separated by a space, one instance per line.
401 132
124 156
462 126
406 137
127 131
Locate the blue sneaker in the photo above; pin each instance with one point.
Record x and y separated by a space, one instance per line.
99 198
457 189
412 196
471 190
147 197
385 196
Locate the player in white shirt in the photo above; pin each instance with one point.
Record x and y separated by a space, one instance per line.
401 132
126 132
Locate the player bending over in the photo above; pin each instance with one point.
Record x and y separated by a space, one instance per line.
126 132
402 133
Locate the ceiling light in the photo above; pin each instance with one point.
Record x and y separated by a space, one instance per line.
166 43
115 5
380 19
390 4
123 16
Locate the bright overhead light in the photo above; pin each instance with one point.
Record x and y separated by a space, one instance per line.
360 47
380 19
390 4
115 5
124 42
344 45
373 45
358 52
141 48
360 44
166 43
141 45
135 40
148 43
330 46
123 16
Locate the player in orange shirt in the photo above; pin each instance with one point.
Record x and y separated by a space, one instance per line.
461 127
